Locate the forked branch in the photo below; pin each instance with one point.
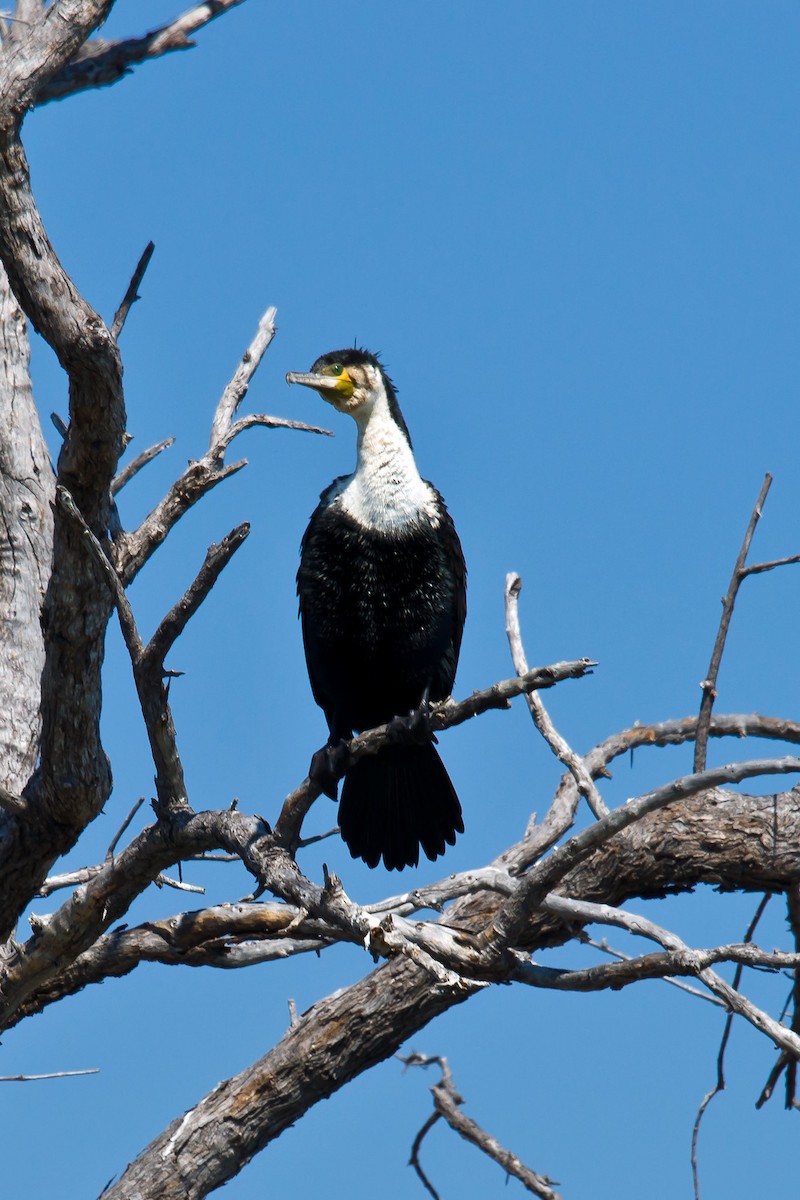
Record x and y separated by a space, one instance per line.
740 573
132 550
541 718
447 1104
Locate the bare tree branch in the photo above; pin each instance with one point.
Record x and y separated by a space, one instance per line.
49 1075
26 548
176 620
108 893
443 715
606 914
674 837
603 946
148 661
192 1157
740 572
135 465
100 63
785 1061
719 1086
114 841
408 998
753 828
747 816
226 937
73 929
71 879
541 879
541 717
447 1101
760 568
132 550
560 817
132 294
237 388
415 1149
73 779
45 42
671 963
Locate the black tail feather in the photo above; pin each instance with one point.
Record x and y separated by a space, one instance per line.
394 802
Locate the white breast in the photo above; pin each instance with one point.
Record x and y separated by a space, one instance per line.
386 490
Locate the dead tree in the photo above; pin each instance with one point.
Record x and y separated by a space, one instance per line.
67 559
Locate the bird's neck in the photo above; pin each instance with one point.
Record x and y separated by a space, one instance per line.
386 490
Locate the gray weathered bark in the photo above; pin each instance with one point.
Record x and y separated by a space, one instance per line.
496 915
720 837
26 547
73 778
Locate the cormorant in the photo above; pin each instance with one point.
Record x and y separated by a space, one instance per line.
382 589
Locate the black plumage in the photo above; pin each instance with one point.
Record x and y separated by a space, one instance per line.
382 590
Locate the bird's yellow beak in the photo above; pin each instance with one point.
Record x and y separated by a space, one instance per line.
334 388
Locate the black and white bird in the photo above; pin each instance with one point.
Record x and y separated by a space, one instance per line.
382 588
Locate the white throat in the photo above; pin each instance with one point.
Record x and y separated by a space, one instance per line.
386 490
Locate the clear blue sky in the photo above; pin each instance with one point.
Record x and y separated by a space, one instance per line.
572 231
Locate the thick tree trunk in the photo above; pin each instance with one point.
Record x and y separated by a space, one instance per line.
26 546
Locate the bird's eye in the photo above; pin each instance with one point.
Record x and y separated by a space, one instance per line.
335 368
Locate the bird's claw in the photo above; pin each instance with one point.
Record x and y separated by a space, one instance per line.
327 768
416 728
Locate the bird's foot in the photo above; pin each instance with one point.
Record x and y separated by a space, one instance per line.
416 729
328 765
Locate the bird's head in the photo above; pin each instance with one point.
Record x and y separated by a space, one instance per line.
353 381
347 379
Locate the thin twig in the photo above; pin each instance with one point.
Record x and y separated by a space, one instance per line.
785 1062
178 885
132 294
589 912
60 425
759 568
541 718
237 388
217 558
719 1086
772 1079
318 837
603 945
112 847
447 1102
414 1158
124 611
680 960
135 465
132 550
147 674
709 684
48 1075
55 883
793 904
223 858
267 422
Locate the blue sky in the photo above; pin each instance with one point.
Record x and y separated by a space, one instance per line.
572 231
